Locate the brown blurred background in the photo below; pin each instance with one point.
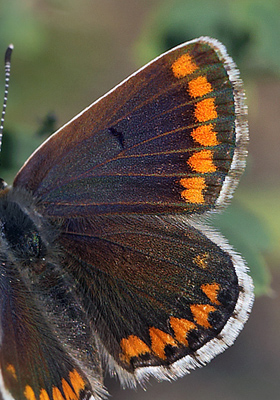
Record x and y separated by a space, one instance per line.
68 53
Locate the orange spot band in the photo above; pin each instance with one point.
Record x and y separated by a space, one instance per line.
68 392
77 381
57 394
159 341
11 369
29 393
211 290
181 327
201 260
133 346
199 86
44 395
194 187
202 161
205 110
183 66
201 314
205 135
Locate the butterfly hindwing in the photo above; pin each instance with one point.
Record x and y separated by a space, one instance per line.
156 289
33 363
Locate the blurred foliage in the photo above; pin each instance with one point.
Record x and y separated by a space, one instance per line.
48 125
250 29
17 145
18 24
265 205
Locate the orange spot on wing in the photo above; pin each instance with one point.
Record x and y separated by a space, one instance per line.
133 346
205 135
44 395
201 260
201 313
77 381
11 369
205 110
181 327
194 187
57 394
199 86
211 290
68 392
202 161
183 66
29 393
159 341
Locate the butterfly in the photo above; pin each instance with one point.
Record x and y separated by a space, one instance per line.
107 261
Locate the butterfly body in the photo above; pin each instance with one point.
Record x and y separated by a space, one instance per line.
106 262
20 232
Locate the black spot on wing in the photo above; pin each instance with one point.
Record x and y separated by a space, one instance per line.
118 135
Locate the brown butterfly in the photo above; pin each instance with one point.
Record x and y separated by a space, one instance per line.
106 260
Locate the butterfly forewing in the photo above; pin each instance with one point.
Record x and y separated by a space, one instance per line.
162 141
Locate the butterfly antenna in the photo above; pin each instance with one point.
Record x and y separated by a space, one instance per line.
7 60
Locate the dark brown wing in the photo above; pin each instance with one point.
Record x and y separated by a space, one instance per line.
156 290
166 140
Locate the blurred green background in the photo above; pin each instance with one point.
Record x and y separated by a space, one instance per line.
68 53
